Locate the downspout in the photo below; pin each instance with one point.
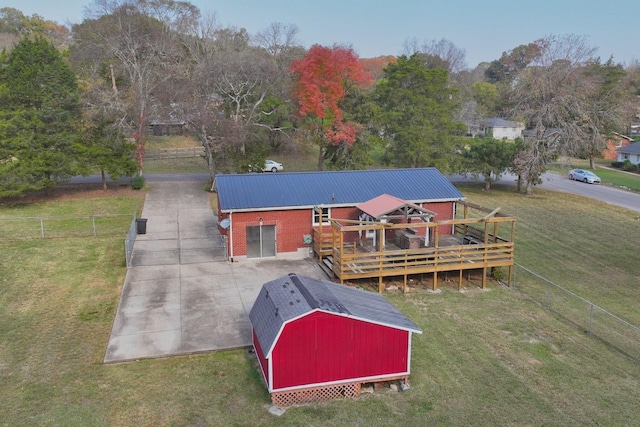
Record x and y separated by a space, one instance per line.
231 236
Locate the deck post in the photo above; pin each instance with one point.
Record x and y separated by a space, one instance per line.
380 285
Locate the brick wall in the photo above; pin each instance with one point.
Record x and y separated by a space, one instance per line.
292 225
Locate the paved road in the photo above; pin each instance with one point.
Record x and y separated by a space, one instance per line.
556 182
551 181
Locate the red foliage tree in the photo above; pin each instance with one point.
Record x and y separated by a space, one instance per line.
322 79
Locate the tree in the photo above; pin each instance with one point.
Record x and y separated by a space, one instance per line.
490 158
38 118
104 146
237 95
322 80
603 112
139 38
416 115
448 55
555 92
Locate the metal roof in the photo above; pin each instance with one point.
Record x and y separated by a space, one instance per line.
499 122
386 204
331 188
290 297
631 148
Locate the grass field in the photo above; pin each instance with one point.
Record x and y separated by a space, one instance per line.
485 358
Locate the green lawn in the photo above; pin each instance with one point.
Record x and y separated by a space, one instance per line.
486 358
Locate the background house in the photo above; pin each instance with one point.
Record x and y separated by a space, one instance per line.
615 142
273 215
316 339
499 128
630 152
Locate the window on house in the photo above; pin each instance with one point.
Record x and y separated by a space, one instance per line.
619 143
325 216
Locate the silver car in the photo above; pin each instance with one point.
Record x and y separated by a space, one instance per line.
584 176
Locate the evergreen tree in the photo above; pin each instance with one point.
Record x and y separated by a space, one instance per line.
417 107
38 115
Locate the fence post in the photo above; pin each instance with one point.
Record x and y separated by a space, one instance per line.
93 221
41 227
590 318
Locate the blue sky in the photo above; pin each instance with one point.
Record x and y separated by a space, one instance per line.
484 29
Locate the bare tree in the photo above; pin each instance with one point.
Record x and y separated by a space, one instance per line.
140 38
452 56
560 90
232 90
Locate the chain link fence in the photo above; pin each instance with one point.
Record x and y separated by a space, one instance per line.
585 315
42 227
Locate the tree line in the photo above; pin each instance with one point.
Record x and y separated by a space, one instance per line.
79 100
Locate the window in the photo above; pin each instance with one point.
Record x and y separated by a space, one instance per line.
325 215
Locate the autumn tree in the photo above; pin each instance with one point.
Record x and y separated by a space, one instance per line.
416 115
38 118
322 80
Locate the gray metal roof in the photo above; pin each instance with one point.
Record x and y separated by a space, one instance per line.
290 297
499 122
308 189
631 148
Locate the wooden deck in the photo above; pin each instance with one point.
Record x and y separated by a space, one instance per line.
472 244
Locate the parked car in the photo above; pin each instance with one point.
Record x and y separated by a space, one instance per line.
584 176
272 166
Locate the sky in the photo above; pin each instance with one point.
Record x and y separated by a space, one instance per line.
483 29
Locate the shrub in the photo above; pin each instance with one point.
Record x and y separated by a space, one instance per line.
629 167
137 183
617 165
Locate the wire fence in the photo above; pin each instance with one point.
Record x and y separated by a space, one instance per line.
43 227
585 315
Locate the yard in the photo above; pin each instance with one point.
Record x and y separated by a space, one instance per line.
488 357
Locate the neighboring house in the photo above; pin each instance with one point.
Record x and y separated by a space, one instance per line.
273 215
499 128
318 340
615 142
630 152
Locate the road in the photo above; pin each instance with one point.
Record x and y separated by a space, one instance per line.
556 182
551 181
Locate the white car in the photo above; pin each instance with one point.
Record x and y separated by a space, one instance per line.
272 166
584 176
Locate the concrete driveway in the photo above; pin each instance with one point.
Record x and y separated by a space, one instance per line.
181 295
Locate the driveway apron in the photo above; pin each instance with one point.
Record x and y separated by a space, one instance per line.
181 295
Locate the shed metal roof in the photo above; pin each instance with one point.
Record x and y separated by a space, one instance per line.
264 191
290 297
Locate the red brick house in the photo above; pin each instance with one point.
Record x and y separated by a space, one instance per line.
273 214
614 143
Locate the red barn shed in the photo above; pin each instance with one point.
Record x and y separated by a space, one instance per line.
319 340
